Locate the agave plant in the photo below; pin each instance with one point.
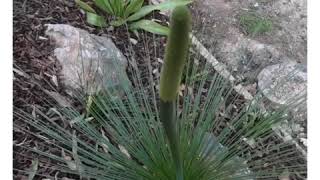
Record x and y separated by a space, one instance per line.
128 11
179 134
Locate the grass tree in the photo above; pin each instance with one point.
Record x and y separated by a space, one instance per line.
177 131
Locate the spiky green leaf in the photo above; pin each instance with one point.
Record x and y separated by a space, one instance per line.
85 6
167 5
96 20
150 26
134 6
104 5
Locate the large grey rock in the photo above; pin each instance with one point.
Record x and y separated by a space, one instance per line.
89 62
281 83
286 84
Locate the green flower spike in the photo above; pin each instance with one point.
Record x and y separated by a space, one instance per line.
175 57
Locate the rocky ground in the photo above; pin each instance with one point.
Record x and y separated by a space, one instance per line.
219 27
219 24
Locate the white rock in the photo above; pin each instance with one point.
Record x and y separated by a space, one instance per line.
133 41
304 141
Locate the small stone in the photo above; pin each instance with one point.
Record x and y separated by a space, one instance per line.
304 141
160 60
110 28
155 71
133 41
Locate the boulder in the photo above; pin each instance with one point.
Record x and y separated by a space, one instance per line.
89 63
281 83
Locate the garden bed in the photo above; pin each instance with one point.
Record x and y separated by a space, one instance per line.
36 68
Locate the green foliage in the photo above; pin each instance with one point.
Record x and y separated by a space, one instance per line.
128 11
149 26
95 19
254 24
124 137
85 6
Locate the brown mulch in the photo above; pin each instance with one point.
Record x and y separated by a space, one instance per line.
36 68
32 58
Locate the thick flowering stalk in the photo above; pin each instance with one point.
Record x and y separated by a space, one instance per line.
175 57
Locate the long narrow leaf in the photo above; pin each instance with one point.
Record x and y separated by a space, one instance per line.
133 7
117 7
96 20
161 7
104 5
150 26
121 7
85 6
114 6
